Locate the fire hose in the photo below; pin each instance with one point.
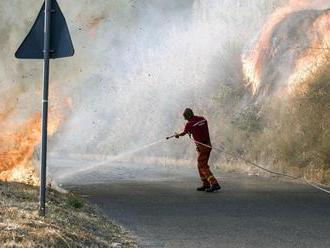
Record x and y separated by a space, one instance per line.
236 156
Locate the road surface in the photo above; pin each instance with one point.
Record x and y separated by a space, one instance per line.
161 207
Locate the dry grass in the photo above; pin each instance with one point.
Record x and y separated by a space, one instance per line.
286 131
70 221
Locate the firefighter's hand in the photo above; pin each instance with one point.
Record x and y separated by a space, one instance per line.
177 135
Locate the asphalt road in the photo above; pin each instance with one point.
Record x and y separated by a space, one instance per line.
161 207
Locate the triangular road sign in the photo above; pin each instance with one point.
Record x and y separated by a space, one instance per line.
60 41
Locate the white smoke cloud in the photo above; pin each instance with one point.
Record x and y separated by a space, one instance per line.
137 65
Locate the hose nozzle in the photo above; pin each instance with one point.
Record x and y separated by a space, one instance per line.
170 137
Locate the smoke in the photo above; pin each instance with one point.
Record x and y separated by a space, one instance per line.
147 61
137 65
315 4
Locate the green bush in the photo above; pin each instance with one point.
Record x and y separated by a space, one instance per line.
75 202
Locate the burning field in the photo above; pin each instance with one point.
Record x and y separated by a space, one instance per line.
287 70
17 146
293 46
139 63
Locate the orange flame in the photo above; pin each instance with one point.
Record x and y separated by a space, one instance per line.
307 64
314 59
253 60
17 148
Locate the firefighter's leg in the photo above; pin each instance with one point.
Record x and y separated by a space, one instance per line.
203 158
203 178
201 171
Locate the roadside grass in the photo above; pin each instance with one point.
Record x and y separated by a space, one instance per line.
70 221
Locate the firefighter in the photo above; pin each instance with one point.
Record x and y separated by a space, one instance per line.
198 128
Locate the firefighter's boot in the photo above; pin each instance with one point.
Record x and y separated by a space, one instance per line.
214 187
203 188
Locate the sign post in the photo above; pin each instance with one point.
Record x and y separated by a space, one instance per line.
48 39
44 118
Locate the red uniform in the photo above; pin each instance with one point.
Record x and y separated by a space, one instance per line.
198 128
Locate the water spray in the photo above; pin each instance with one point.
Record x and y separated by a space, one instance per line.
220 149
118 157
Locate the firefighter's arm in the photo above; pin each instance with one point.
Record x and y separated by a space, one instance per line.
177 135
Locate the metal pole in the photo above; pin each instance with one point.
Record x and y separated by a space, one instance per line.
43 161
